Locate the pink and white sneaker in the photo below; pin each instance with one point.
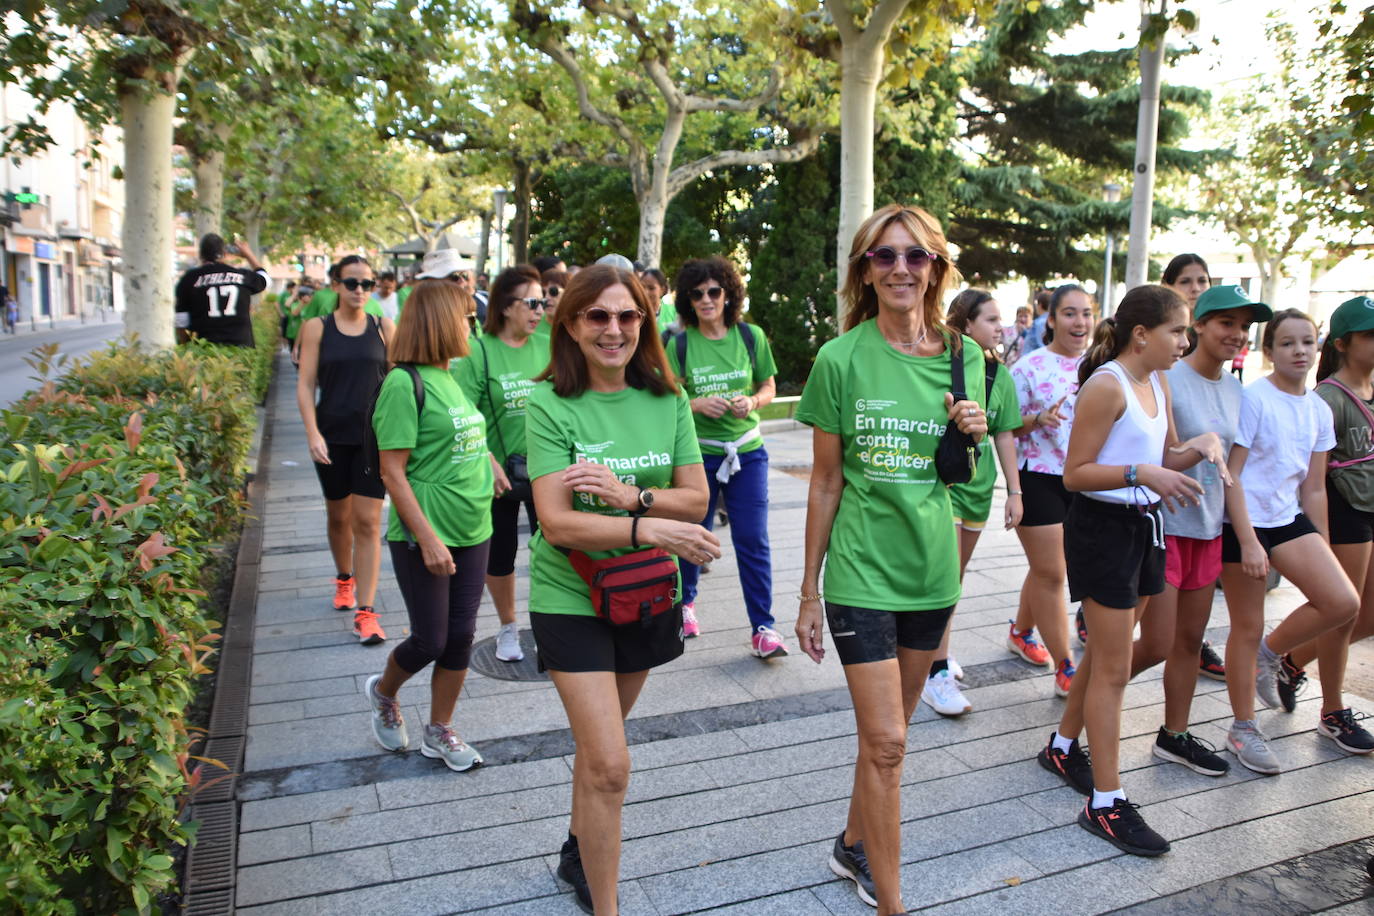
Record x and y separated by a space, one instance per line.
690 627
768 643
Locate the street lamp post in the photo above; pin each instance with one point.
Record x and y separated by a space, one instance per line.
499 197
1111 193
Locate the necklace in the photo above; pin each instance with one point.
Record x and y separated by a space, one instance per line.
908 344
1141 382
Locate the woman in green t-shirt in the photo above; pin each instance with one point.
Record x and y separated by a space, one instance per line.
878 515
727 369
498 378
616 469
437 470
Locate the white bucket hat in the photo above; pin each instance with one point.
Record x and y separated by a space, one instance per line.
441 264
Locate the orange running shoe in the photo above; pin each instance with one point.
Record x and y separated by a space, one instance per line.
366 627
345 593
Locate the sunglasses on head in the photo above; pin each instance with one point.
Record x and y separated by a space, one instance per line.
914 256
535 303
715 292
352 283
600 318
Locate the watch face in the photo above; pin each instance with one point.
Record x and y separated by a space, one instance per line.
646 498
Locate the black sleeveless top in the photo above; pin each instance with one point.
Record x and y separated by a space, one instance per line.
350 370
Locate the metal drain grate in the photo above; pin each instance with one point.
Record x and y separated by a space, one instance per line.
209 903
228 751
527 669
211 859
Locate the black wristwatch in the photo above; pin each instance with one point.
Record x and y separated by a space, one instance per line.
646 501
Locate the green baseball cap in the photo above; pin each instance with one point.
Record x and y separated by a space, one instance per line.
1220 298
1353 315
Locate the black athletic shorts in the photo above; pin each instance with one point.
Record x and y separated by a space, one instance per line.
343 476
573 643
1045 500
1348 525
1269 538
868 635
1114 554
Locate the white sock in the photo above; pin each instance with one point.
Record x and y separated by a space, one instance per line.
1106 799
1265 651
1062 744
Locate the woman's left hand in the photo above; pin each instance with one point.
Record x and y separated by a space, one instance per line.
500 482
741 406
1209 446
600 481
967 416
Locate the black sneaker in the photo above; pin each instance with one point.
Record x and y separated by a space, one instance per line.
1343 727
1123 827
1209 663
1081 625
1292 681
1075 767
851 862
1194 753
570 870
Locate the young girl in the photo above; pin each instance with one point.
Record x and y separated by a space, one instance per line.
1123 465
1046 381
1277 514
1347 363
1204 398
974 312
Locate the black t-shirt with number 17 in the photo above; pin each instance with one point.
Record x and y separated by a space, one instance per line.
214 302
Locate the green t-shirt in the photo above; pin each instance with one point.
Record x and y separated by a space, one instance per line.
448 467
667 313
640 435
722 368
507 375
1354 440
892 544
972 501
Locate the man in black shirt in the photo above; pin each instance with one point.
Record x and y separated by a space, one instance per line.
214 300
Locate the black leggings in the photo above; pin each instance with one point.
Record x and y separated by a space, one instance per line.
442 609
505 536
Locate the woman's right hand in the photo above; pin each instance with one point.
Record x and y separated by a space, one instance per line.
710 406
438 559
1172 486
1254 562
319 449
687 540
500 482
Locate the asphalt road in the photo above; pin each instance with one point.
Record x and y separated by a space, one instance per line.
16 376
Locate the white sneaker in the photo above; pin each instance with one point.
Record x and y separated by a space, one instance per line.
441 743
508 643
955 668
942 694
388 726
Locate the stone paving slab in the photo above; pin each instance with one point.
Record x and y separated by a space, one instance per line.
731 818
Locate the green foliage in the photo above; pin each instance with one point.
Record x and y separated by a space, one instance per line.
115 487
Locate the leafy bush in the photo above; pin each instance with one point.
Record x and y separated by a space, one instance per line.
115 487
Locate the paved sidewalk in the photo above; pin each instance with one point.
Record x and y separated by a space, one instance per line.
741 767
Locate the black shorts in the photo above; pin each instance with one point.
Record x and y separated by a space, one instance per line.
1045 500
1269 538
1113 554
867 635
343 476
1347 524
573 643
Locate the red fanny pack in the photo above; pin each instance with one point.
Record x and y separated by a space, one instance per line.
633 588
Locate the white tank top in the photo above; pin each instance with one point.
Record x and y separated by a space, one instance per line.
1135 438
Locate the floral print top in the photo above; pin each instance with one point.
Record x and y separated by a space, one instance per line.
1042 377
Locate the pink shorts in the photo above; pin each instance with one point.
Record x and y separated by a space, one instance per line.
1190 563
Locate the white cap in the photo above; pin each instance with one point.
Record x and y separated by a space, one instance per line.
616 260
441 264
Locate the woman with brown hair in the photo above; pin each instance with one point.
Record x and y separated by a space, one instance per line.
616 471
878 515
433 449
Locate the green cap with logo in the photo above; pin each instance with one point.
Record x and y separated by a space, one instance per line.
1221 298
1353 315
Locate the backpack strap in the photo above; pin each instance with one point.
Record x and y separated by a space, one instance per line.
680 341
419 388
749 344
1364 409
990 376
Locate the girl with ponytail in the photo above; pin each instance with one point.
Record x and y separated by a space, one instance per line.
1123 466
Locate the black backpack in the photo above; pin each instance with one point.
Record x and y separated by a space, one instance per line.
680 341
372 461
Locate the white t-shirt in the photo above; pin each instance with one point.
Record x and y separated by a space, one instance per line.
388 304
1281 431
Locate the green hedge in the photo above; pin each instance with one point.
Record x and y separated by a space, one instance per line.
117 486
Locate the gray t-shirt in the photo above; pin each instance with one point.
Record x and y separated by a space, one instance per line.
1203 405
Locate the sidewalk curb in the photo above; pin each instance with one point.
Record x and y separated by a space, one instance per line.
211 860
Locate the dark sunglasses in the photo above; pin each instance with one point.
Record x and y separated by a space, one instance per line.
600 318
535 303
459 278
352 284
886 257
715 292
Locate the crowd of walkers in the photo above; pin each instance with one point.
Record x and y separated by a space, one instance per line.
621 412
